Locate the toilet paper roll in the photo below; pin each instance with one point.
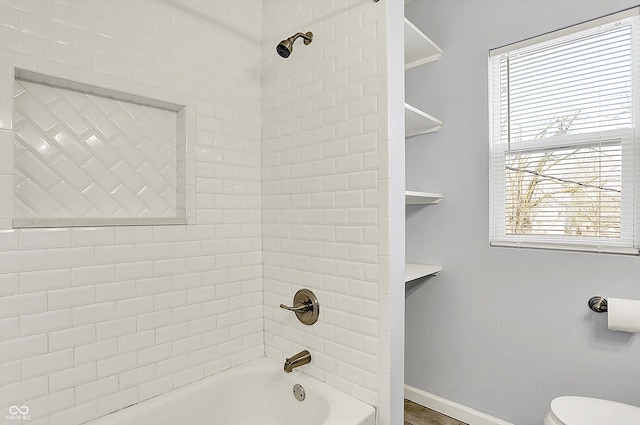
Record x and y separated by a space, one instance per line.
624 315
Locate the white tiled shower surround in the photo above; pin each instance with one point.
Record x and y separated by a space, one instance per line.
287 191
320 189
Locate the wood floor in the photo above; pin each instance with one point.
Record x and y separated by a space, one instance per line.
415 414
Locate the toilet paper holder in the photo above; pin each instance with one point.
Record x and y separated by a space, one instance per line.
598 304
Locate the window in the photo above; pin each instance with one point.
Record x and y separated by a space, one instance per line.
564 110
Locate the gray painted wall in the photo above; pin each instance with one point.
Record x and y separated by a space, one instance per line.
501 330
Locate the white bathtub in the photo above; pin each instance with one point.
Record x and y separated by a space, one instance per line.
258 392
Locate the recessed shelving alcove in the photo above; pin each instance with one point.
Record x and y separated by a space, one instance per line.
419 50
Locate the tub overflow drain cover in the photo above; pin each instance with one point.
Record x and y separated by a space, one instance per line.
298 392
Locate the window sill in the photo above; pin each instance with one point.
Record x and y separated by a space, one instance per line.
602 249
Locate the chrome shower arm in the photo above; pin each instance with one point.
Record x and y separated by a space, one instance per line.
307 37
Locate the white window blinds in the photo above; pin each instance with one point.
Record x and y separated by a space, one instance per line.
563 157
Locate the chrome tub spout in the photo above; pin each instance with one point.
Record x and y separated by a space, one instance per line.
297 360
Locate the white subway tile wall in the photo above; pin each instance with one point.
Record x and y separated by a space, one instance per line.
285 187
321 168
95 319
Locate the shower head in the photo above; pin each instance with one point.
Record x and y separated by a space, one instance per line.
285 47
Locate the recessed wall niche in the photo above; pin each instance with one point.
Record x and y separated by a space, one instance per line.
86 156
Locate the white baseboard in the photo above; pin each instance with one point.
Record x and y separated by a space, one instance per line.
451 408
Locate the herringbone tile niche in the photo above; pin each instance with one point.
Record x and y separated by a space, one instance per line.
79 155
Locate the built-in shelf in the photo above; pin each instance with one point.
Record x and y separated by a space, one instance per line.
421 198
416 271
418 122
418 48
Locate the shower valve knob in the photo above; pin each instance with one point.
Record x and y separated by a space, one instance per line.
305 306
298 307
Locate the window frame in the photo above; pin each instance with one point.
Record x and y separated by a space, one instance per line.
629 216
